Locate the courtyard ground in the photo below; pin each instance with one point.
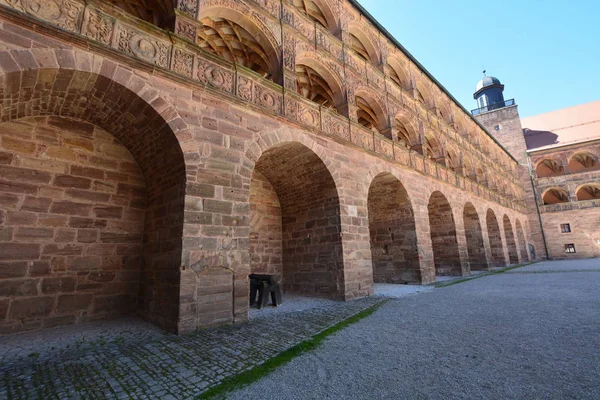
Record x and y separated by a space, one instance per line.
528 333
531 332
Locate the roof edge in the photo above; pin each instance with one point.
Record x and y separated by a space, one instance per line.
389 36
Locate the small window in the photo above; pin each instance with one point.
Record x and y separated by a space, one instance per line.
565 228
570 248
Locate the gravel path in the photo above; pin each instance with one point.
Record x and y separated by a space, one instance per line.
505 336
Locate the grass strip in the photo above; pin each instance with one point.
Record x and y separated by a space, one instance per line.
555 271
499 271
235 382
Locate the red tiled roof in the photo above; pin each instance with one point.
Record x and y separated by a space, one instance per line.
560 127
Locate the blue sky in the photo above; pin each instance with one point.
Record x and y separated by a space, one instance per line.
545 52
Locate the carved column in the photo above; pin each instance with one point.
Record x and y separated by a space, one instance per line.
392 131
186 22
350 109
289 59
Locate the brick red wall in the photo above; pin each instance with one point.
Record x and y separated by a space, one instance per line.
522 245
266 250
505 125
474 236
392 232
310 215
73 201
585 233
191 140
510 241
495 237
443 236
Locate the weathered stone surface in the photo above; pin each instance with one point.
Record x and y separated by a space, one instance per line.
36 204
31 307
20 251
13 269
73 302
72 182
58 285
18 287
160 196
70 208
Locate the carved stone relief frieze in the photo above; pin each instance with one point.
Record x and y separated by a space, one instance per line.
98 26
141 45
188 7
216 76
65 14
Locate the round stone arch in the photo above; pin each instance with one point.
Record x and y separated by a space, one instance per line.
253 23
406 125
522 240
129 110
392 228
401 71
433 148
377 107
452 159
332 18
588 191
474 237
295 221
583 161
331 77
443 105
425 92
442 222
509 236
358 29
548 167
555 195
495 239
294 196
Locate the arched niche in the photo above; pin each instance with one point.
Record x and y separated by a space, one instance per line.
588 192
393 235
318 83
370 113
362 44
583 162
231 34
555 195
106 185
320 13
548 167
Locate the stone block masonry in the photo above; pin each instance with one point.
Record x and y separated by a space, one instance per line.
72 239
144 173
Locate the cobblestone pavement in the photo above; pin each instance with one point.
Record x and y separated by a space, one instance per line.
529 333
129 358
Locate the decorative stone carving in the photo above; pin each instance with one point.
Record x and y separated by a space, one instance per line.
98 26
188 7
291 108
65 14
309 117
183 62
384 147
185 29
289 51
273 7
215 76
244 87
401 154
267 98
142 46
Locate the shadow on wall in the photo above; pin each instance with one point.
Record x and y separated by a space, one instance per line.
535 139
